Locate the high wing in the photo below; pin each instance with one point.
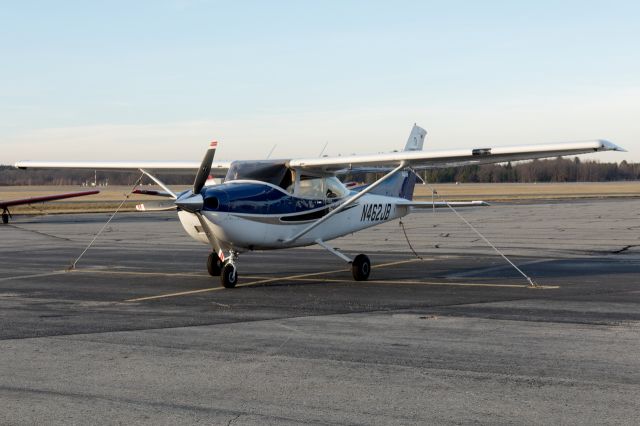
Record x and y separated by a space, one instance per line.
33 200
440 159
218 168
373 163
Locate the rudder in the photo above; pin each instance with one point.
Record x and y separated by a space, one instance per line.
416 139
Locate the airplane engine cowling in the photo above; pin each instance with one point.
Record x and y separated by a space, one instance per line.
216 200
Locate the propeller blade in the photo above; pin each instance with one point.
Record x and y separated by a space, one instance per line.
205 168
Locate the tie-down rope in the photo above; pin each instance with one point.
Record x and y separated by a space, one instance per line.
126 198
474 229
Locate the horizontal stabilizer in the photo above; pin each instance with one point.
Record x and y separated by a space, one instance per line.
443 204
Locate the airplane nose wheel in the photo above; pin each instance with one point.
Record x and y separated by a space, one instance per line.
361 267
229 275
5 218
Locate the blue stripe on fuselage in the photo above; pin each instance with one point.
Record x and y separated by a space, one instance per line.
257 198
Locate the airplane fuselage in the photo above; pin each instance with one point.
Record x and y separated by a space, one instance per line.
254 215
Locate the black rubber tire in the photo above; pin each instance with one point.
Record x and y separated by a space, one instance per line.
5 218
229 275
361 267
214 265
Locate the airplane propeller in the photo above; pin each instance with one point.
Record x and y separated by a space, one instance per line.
192 201
205 168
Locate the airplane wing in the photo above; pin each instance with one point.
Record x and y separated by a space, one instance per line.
456 158
218 168
33 200
342 165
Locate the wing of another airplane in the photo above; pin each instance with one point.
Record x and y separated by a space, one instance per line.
44 199
4 205
456 158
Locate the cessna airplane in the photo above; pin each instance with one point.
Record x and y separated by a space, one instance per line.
279 204
4 205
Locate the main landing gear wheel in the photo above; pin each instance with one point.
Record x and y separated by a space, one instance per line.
214 265
5 218
361 267
229 275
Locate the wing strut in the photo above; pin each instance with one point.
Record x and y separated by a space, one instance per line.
159 182
346 204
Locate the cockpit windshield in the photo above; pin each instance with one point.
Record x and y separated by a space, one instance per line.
278 174
275 173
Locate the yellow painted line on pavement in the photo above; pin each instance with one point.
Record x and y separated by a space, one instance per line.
264 281
42 275
310 278
391 282
120 272
252 283
400 262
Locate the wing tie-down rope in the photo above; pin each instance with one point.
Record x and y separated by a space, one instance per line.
126 198
474 229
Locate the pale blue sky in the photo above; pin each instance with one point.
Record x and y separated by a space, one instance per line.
158 79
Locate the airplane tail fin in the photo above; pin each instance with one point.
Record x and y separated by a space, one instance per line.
403 184
416 139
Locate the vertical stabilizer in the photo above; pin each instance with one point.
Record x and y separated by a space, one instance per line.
403 184
416 139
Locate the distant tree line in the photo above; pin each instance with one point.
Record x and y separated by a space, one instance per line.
11 176
553 170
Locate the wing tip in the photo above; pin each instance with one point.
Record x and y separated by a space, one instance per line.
610 146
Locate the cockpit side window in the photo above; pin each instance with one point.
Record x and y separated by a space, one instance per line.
320 188
310 187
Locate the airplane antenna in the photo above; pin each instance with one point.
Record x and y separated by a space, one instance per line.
271 152
324 148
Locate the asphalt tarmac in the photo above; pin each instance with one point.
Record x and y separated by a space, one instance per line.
140 334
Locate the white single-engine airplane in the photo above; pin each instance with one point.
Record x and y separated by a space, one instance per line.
279 204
